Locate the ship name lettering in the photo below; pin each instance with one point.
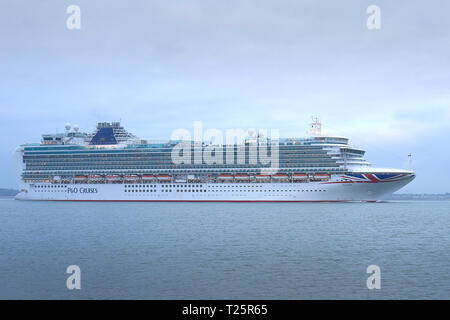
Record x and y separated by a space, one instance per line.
82 190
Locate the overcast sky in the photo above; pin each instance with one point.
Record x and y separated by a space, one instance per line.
160 65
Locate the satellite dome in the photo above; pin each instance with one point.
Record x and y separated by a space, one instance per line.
67 126
76 127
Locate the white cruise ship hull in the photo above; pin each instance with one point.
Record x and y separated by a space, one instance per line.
333 190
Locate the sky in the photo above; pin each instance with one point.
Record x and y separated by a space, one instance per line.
161 65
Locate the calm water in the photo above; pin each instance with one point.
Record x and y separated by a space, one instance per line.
224 250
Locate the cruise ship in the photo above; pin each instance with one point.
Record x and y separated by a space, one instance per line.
111 164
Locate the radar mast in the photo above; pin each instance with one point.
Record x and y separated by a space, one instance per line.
316 127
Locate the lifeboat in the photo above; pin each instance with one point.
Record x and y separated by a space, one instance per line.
225 177
164 177
300 176
148 177
322 176
131 177
113 177
242 177
80 178
262 177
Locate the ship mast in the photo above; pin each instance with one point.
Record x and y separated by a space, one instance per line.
316 127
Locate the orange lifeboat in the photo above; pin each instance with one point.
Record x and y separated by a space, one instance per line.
148 177
80 178
164 177
300 176
322 176
242 177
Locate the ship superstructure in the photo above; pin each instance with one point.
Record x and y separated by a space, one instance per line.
112 164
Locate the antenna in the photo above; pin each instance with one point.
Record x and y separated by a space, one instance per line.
410 161
316 127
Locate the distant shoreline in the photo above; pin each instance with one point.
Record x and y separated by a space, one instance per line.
8 192
419 196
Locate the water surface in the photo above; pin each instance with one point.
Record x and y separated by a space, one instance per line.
224 250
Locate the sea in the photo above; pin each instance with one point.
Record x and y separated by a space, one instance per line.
158 250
